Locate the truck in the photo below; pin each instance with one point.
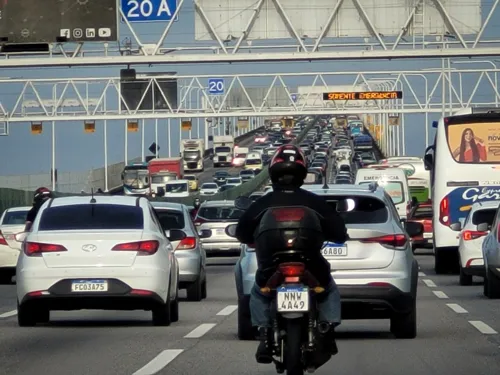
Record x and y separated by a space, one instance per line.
192 151
135 179
223 150
163 170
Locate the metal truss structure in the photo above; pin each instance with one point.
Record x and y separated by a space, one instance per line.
425 92
414 39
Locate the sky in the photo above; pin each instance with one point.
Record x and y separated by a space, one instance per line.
24 153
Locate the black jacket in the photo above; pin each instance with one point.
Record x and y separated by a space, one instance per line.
34 211
332 223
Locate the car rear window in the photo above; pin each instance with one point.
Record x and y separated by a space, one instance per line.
423 212
14 218
91 216
366 210
484 216
224 213
209 186
171 219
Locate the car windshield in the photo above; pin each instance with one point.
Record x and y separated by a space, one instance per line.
222 213
181 187
253 161
233 180
14 217
91 216
171 219
484 216
222 149
422 212
367 210
209 186
191 155
221 174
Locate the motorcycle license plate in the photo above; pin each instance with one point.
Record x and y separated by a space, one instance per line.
292 299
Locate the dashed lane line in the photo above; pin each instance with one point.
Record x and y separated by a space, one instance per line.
457 308
421 274
200 331
228 310
159 362
440 294
483 327
8 314
429 283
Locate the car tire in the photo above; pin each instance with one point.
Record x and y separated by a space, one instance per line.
493 285
162 314
204 288
464 279
245 330
404 326
486 292
194 290
26 316
174 308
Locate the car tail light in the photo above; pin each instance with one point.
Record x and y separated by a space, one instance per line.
292 269
141 292
392 240
35 248
380 285
444 211
498 233
468 235
187 243
2 239
143 247
198 221
288 214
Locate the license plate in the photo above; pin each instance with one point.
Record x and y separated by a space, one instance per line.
291 299
220 231
89 286
334 250
427 235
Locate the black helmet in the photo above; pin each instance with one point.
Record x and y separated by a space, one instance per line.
197 203
42 194
288 166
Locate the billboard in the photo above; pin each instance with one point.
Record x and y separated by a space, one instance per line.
133 91
44 21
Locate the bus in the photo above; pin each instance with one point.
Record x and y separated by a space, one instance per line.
464 163
135 178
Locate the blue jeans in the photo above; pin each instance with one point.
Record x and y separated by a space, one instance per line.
328 307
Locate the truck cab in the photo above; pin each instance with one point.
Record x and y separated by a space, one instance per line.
223 150
192 151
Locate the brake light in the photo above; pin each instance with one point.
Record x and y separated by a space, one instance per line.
35 248
187 243
444 211
292 269
288 214
380 285
2 239
468 235
143 247
392 240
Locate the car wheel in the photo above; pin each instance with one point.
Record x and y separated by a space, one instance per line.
485 287
174 308
194 291
404 326
245 329
162 314
26 316
204 288
464 279
493 285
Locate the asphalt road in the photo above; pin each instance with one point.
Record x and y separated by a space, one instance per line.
450 340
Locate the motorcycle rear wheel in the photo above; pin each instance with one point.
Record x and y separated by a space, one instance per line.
293 348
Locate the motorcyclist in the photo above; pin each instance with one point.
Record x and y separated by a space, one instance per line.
41 195
196 205
288 171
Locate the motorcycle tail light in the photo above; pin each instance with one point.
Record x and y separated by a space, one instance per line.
292 269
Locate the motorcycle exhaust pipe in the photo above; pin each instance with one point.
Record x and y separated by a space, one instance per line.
323 327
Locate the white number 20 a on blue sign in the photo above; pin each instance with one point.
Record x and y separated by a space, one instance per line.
149 10
216 85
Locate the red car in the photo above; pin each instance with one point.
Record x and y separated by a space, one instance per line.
422 213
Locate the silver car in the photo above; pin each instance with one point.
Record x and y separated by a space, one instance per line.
491 254
375 269
216 216
189 252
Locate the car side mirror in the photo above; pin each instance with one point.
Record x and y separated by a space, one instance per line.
456 227
205 233
413 228
483 227
21 237
175 235
231 230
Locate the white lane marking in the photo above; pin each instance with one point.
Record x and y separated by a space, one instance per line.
228 310
429 283
8 314
159 362
200 331
421 274
457 308
484 328
440 294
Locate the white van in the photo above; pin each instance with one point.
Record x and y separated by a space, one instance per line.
394 181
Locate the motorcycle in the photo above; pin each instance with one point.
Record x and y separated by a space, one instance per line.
297 334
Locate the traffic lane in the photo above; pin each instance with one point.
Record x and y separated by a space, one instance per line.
7 298
365 347
467 301
107 342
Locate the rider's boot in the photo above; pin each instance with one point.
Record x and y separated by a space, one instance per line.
264 351
330 340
